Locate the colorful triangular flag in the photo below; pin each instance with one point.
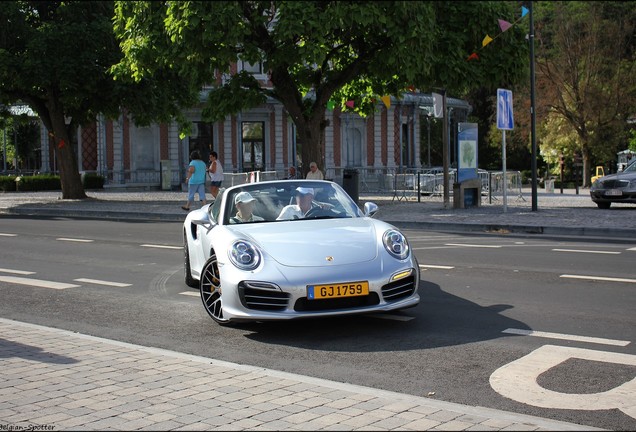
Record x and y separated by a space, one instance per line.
330 105
387 101
350 104
473 56
524 11
504 25
486 41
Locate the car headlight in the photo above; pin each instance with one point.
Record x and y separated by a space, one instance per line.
396 244
244 255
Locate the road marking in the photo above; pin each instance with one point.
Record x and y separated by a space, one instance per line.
22 272
473 245
161 246
567 337
586 251
432 247
436 266
190 293
392 317
75 240
36 282
602 278
519 381
102 282
8 235
632 249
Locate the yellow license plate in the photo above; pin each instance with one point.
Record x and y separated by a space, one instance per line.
337 290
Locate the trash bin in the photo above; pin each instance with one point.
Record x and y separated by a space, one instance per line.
549 186
350 183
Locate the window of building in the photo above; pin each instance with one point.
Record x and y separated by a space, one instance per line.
201 139
255 69
406 148
253 140
354 147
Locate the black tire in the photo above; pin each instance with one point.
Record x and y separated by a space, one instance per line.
603 205
211 290
189 280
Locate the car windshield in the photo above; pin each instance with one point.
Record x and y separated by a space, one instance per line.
631 167
287 200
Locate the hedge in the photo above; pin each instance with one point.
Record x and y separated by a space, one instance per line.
43 182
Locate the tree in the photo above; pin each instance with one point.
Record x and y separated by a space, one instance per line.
314 52
56 57
585 73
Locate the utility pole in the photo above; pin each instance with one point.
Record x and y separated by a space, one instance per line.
445 152
533 113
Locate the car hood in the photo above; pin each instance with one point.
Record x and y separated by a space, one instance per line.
619 176
313 243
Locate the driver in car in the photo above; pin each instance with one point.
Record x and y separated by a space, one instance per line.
304 198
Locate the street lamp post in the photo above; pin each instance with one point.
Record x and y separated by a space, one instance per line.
4 158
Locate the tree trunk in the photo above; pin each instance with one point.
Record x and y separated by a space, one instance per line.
311 133
72 187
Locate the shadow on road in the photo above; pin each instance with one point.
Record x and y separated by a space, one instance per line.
441 319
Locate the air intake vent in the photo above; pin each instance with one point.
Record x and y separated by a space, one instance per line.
399 289
262 296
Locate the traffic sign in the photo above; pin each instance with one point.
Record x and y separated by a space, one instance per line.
505 119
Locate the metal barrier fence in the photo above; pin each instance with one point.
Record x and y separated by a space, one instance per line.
402 183
513 184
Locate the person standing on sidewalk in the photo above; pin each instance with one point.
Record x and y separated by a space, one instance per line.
195 177
216 174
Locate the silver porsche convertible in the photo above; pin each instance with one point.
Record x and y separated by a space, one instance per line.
288 249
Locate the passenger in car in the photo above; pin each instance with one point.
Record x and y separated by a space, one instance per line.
244 203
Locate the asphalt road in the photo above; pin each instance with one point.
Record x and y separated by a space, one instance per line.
481 295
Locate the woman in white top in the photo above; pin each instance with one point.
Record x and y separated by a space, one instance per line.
216 174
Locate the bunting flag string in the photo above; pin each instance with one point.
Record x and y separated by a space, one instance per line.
386 99
503 25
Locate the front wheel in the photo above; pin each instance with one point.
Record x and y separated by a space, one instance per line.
211 290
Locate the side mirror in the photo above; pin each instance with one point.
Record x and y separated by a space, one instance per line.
370 209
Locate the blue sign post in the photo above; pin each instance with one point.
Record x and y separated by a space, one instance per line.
505 121
467 151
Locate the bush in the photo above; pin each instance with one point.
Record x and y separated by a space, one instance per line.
7 183
92 181
38 183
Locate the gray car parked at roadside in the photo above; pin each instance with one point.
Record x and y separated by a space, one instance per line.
615 188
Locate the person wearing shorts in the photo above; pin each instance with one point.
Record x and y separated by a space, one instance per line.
215 170
195 177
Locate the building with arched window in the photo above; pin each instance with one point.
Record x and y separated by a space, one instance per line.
260 139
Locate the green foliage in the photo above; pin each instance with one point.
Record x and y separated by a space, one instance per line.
315 51
585 69
92 181
632 140
7 183
37 183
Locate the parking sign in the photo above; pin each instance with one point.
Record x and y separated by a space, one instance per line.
505 119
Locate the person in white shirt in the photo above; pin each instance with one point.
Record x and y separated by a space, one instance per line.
216 174
304 198
244 202
314 173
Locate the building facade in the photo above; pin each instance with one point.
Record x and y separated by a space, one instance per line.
262 139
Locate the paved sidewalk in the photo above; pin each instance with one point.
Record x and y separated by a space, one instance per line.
53 379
